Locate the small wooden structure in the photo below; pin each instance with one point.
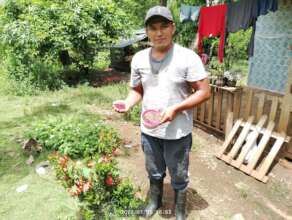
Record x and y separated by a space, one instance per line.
238 112
237 146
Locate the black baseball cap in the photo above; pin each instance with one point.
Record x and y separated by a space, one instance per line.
158 11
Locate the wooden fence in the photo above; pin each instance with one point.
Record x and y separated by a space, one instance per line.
228 104
212 114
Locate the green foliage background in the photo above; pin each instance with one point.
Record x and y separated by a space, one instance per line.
44 42
41 39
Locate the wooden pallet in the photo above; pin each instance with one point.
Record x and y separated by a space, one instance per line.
259 164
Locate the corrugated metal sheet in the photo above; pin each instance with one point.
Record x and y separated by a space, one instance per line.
138 36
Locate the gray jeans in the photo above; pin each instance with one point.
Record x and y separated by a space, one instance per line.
173 154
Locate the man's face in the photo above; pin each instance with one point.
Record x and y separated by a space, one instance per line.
160 32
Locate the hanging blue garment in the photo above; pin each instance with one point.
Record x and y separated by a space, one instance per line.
189 13
264 6
184 12
195 10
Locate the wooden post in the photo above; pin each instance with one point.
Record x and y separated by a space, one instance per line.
237 103
249 103
219 108
260 107
210 107
286 104
229 118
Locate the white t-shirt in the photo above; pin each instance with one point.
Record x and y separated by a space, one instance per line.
168 87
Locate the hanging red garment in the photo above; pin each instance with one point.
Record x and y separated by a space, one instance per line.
212 24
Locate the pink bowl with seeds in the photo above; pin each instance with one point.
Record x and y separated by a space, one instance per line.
120 106
151 118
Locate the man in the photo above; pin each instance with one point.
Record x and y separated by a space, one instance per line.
164 77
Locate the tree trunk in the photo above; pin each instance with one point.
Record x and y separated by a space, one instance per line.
163 2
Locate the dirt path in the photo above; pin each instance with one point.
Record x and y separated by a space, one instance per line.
216 191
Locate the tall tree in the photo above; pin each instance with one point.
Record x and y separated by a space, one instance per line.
43 38
137 9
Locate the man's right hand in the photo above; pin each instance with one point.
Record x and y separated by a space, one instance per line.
120 106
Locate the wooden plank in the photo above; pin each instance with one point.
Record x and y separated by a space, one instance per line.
210 108
229 137
219 109
229 117
225 158
245 149
195 114
202 112
260 107
260 149
249 103
274 134
237 103
228 123
261 173
230 99
274 107
240 139
209 127
228 89
285 114
286 103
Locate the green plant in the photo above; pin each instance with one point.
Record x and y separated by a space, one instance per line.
236 48
216 68
97 185
75 137
134 115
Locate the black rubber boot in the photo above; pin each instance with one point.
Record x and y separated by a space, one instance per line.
180 204
155 199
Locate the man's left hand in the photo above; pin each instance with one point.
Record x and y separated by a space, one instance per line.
168 114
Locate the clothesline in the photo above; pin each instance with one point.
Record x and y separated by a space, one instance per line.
219 20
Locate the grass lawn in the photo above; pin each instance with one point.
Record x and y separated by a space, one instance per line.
44 198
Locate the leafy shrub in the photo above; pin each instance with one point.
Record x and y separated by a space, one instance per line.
75 137
97 184
236 48
134 115
42 38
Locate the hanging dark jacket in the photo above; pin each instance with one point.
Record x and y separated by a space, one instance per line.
264 6
241 15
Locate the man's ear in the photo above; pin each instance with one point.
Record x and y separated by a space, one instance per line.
146 30
174 28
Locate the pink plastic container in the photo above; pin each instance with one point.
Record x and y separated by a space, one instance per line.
151 118
120 106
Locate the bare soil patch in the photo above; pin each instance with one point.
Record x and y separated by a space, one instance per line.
216 190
